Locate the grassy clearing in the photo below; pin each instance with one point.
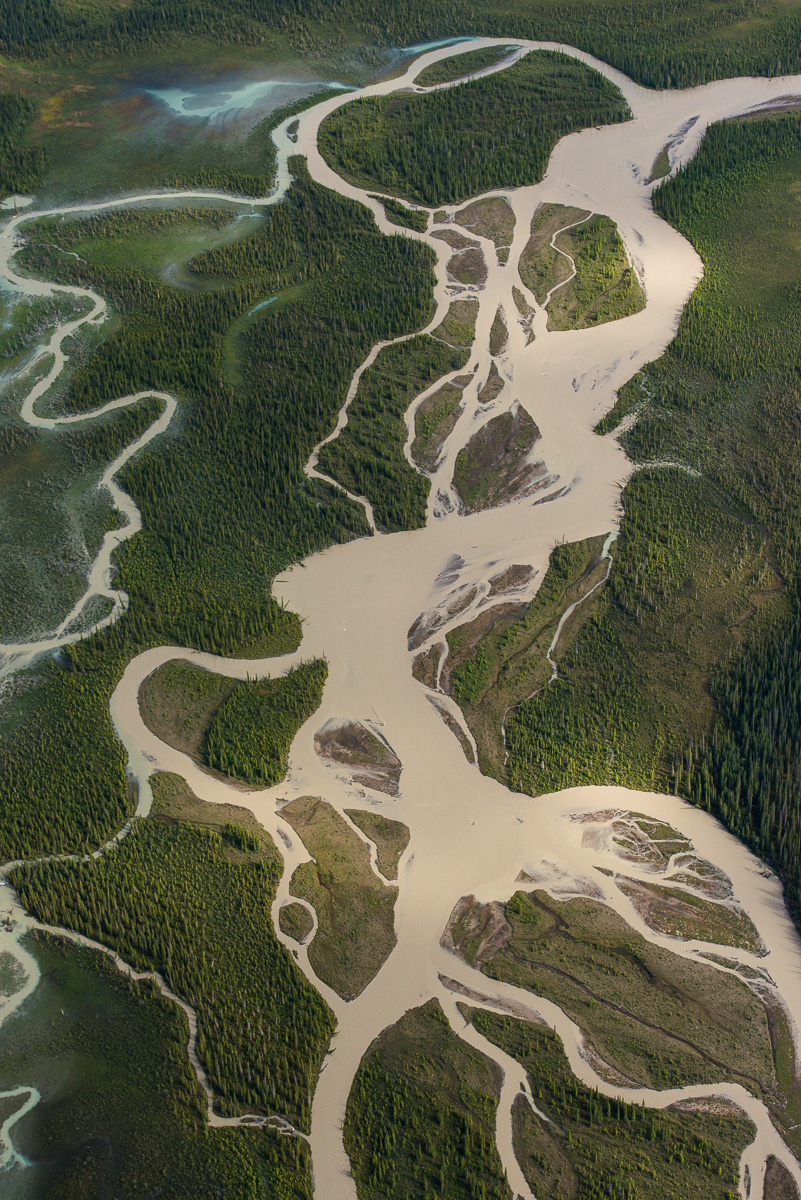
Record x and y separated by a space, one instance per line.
242 729
499 659
499 334
295 921
243 837
541 267
494 467
591 1146
655 1017
178 703
468 267
492 218
434 422
421 1115
681 914
159 241
493 387
605 287
355 917
185 900
424 667
367 458
458 326
390 837
121 1110
661 166
500 130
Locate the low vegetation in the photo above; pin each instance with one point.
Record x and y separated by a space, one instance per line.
295 921
458 326
178 703
500 130
421 1115
591 1146
183 899
434 421
678 913
651 1016
468 267
355 910
491 218
499 334
605 287
390 837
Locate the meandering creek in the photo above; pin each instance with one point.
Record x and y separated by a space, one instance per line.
469 834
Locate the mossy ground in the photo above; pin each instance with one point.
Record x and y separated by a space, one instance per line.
651 1015
390 837
355 911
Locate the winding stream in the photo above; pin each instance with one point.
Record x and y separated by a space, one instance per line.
469 834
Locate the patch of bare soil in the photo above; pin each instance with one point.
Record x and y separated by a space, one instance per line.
455 728
476 932
424 667
510 579
370 761
495 466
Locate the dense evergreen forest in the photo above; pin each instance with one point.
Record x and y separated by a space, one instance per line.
252 731
21 168
224 500
421 1115
684 679
367 458
186 901
123 1113
661 45
492 132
